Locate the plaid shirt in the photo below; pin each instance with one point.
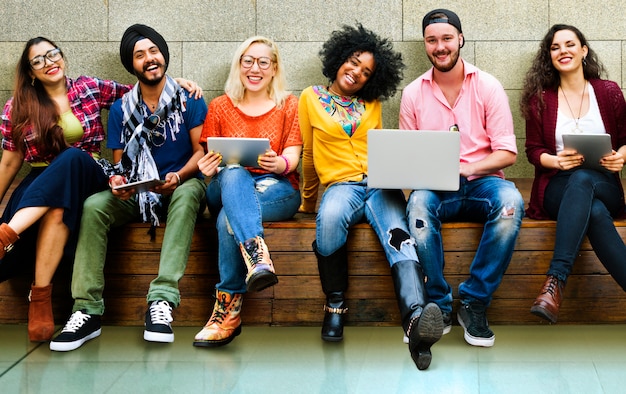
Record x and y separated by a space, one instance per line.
87 96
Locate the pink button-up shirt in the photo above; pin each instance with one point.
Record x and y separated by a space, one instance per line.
481 112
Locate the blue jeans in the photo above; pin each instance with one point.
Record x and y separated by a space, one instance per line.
242 201
591 200
102 212
490 200
346 204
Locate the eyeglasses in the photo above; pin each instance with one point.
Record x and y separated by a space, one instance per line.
263 62
39 62
156 137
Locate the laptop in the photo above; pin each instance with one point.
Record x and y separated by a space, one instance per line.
413 159
243 151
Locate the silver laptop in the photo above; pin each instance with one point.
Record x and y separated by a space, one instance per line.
413 159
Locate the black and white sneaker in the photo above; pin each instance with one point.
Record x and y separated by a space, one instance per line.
158 322
80 328
473 318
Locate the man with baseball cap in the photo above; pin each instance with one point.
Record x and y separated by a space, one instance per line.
154 132
455 95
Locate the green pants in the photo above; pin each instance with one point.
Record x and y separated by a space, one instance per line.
103 211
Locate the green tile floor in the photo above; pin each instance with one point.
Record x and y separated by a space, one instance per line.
525 359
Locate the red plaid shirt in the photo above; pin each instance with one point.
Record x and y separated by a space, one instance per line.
87 96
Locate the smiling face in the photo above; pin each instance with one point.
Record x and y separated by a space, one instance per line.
354 73
443 42
255 79
148 62
566 52
52 72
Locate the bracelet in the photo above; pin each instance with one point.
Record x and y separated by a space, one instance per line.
286 166
178 177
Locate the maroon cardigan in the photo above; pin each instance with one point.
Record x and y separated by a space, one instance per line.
540 135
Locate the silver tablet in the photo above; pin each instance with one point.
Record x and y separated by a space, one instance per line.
592 146
243 151
140 186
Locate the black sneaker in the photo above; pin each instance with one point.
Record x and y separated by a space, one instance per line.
80 328
447 322
473 318
158 322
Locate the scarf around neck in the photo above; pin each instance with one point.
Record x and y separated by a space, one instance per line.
143 132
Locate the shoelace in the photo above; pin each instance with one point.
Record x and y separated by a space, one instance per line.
478 317
257 253
220 312
552 286
77 320
161 313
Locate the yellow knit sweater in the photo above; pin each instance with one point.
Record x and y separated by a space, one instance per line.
330 155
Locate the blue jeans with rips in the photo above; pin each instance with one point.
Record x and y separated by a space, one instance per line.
347 203
584 202
242 201
490 200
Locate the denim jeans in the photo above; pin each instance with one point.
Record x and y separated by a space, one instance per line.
490 200
242 201
348 203
102 212
585 202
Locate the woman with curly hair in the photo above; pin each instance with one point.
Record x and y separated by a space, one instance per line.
564 94
362 69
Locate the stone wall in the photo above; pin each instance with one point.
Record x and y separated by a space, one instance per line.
501 37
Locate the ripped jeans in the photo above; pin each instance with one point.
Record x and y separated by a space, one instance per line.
490 200
348 203
242 201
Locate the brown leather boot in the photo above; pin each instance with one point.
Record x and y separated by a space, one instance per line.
7 239
40 319
548 302
225 322
261 274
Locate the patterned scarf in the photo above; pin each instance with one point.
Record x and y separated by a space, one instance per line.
142 132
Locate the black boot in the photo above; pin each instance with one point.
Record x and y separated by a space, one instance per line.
422 322
333 271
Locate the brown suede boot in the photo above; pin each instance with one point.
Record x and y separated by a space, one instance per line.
225 322
7 239
261 274
40 319
548 302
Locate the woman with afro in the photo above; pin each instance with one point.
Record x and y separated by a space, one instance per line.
362 70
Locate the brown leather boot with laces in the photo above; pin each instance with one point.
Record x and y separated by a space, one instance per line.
225 322
548 302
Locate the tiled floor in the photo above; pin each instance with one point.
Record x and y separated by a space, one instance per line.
525 359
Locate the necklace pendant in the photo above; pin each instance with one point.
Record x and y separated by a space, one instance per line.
577 130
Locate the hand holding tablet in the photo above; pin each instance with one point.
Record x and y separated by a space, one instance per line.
593 147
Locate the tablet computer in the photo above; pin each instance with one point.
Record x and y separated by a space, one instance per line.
243 151
139 186
592 146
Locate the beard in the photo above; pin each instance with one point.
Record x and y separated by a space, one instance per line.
444 67
141 76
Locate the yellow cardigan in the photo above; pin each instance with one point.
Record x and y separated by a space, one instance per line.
329 155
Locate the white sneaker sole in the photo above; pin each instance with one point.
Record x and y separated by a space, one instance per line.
68 346
158 337
476 341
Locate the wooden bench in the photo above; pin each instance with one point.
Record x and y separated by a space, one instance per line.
591 295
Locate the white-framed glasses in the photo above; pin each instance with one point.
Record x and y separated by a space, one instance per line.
263 62
39 62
